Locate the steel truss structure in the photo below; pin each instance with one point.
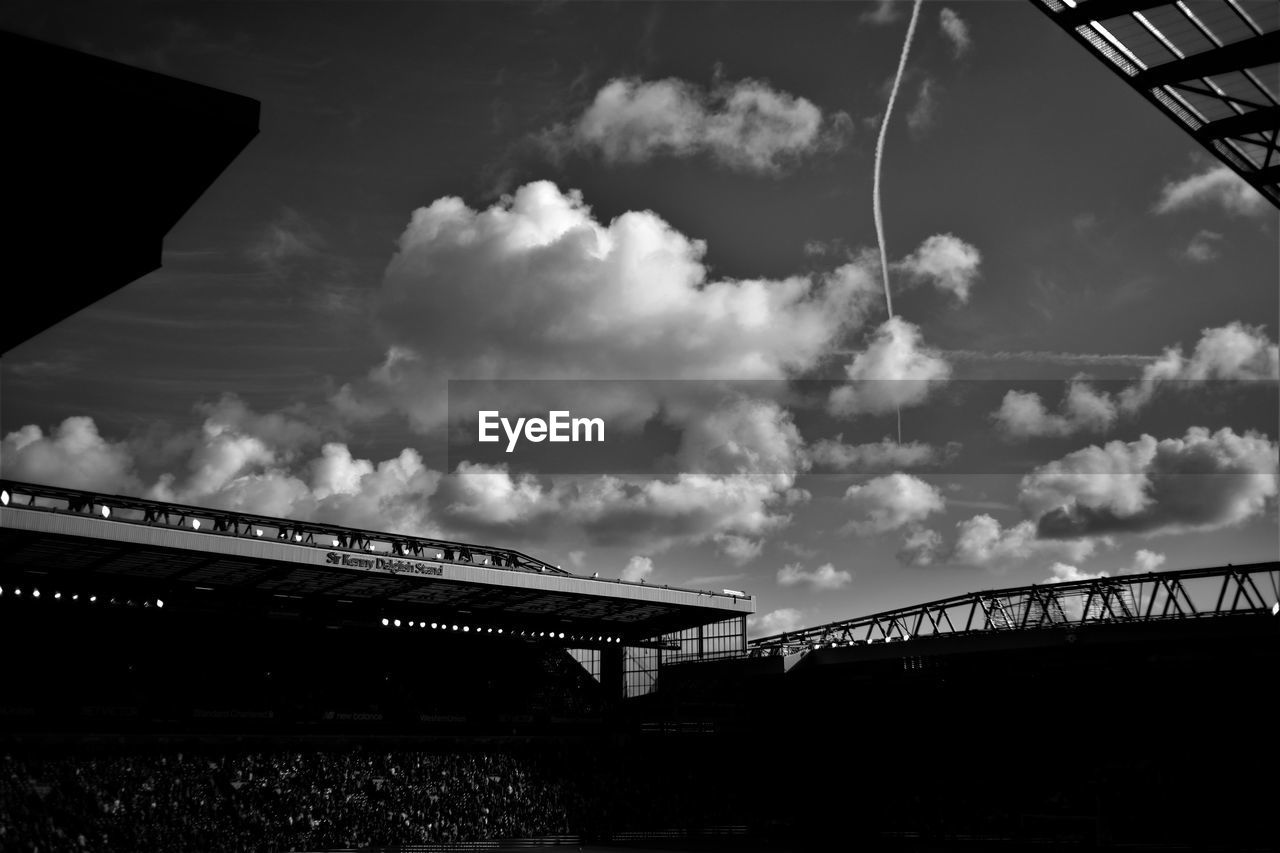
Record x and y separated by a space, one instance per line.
1213 66
327 536
1157 596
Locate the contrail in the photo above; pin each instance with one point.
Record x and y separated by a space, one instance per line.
875 189
884 126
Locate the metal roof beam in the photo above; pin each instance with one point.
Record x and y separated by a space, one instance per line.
1254 121
1103 10
1250 53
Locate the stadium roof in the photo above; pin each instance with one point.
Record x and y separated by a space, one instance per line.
85 130
1213 66
94 543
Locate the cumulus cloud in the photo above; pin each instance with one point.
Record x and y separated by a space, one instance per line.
1062 573
745 125
241 460
885 12
871 457
895 370
490 497
739 549
1203 247
921 547
74 455
1023 414
956 31
1145 561
774 622
534 287
920 116
945 261
891 502
1217 186
984 542
1234 352
637 569
825 577
1201 481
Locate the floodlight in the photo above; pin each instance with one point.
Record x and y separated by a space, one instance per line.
195 523
1275 609
106 512
35 593
4 497
93 598
385 621
75 597
410 623
159 602
434 625
499 630
257 532
335 543
439 556
466 628
57 595
18 591
397 623
1 590
562 635
297 537
455 627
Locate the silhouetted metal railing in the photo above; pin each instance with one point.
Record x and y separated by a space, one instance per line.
1156 596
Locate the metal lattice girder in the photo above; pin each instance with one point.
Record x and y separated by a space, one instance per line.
1163 596
1213 66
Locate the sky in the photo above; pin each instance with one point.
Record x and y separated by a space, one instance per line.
660 214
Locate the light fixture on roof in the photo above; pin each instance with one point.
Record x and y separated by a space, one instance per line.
297 537
335 543
106 512
499 630
35 593
4 497
562 635
455 627
159 602
57 595
434 625
257 531
1275 609
411 623
385 621
75 597
466 628
396 623
195 523
93 598
18 591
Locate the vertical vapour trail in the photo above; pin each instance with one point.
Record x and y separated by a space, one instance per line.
875 187
884 125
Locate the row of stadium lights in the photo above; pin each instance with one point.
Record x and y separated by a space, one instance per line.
444 626
92 599
283 534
